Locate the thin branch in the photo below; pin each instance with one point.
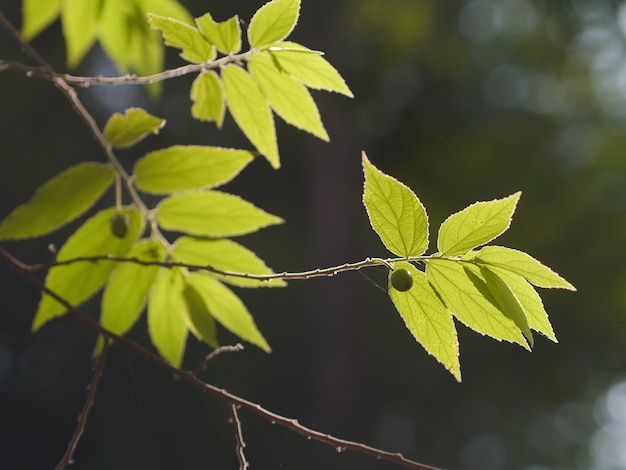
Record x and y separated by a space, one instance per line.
68 457
222 349
241 444
189 377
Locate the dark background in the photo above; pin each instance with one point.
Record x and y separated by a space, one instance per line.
462 101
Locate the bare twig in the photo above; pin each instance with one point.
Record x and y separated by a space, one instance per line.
222 349
241 444
68 457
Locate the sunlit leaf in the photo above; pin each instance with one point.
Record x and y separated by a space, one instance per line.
206 93
195 48
168 8
396 214
226 36
288 97
167 315
309 67
273 22
212 214
428 320
184 167
37 15
251 111
227 309
80 19
476 225
125 130
78 281
201 323
225 255
58 201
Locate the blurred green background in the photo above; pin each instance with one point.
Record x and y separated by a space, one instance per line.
462 101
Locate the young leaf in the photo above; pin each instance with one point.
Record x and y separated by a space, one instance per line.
225 35
125 130
523 264
273 22
469 300
78 281
126 290
37 15
227 309
251 111
287 96
184 167
428 320
396 214
167 315
58 201
201 323
206 93
476 225
309 67
80 19
195 48
212 214
225 255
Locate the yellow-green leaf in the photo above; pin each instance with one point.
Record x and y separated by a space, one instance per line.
208 99
80 20
227 309
194 46
273 22
287 96
125 130
201 323
212 214
476 225
251 111
58 201
37 15
226 36
78 281
185 167
428 320
395 212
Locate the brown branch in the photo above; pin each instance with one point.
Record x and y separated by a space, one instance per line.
241 444
222 349
68 457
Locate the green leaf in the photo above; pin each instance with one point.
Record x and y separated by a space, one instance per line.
195 48
201 323
428 320
168 8
58 201
523 264
287 96
225 35
396 214
212 214
273 22
309 67
184 167
225 255
80 20
476 225
37 15
206 93
468 298
79 281
251 111
168 316
125 130
127 289
227 309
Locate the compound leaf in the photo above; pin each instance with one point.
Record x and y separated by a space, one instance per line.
80 19
185 167
194 46
37 15
58 201
225 35
428 320
396 214
125 130
476 225
273 22
201 323
212 214
206 93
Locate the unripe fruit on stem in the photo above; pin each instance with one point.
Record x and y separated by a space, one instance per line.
401 279
120 223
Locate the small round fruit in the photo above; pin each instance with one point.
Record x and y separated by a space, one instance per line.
401 279
120 223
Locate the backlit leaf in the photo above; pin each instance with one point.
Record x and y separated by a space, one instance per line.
273 22
476 225
78 281
37 15
58 201
226 36
251 111
201 323
428 320
125 130
212 214
396 214
206 93
184 167
80 19
194 46
288 97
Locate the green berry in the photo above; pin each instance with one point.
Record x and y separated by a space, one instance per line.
120 223
401 280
